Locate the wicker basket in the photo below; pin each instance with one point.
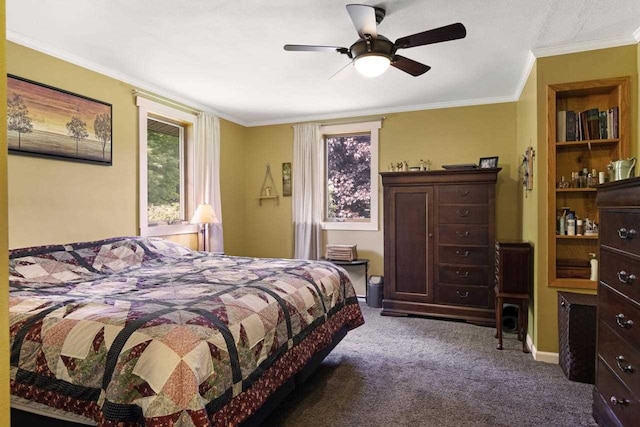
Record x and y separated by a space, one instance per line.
577 336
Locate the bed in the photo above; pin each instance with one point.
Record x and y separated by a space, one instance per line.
130 331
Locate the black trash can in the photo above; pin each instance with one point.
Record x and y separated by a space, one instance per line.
374 291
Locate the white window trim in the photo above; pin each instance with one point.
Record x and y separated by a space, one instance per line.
347 128
148 108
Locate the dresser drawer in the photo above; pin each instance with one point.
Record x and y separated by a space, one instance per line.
626 408
463 234
463 214
623 359
462 295
468 255
621 273
620 314
620 230
460 194
463 275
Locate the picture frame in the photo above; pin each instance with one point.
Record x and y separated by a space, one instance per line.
45 121
286 179
488 162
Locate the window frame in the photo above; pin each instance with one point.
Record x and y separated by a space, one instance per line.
152 110
372 128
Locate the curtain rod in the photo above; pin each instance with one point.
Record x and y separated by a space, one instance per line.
165 100
347 121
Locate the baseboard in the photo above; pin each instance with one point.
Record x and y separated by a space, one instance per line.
542 356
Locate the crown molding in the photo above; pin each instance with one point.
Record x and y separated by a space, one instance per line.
139 84
636 35
382 111
584 46
526 71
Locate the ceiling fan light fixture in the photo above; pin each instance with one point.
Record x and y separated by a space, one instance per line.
372 65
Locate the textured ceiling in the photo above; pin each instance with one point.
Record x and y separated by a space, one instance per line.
227 55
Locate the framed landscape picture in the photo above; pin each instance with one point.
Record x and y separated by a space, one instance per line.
45 121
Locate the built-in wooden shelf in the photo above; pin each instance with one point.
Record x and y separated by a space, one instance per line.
574 283
587 143
576 190
568 157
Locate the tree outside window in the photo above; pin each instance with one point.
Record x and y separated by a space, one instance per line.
348 177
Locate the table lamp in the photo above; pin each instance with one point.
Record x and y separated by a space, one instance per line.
204 215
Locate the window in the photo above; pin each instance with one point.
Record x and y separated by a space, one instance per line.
166 172
351 176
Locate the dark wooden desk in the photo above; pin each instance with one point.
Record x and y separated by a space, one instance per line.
359 261
514 274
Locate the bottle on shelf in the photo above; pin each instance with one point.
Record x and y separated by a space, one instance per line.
594 267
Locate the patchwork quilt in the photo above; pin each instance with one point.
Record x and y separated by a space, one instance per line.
132 330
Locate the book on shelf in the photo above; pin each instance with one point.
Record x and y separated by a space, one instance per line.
593 123
561 126
602 121
571 125
587 125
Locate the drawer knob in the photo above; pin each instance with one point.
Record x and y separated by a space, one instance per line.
623 233
463 214
617 401
620 360
462 234
462 193
463 295
625 277
462 254
462 273
620 320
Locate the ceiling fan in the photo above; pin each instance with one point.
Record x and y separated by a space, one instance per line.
372 53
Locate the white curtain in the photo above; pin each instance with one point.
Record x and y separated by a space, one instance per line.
207 173
307 190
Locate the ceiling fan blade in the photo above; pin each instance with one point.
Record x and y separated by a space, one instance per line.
311 48
344 72
409 66
364 19
437 35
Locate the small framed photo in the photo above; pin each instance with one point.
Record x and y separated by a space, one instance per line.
488 162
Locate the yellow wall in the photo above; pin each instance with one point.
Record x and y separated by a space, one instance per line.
527 131
53 201
232 186
445 136
613 62
4 273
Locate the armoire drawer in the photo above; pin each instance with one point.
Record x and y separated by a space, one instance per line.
617 397
463 214
461 194
468 255
463 234
463 275
623 359
620 272
475 296
620 314
620 230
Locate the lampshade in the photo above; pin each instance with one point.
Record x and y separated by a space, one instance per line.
204 215
372 65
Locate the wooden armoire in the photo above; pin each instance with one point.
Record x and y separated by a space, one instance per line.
439 244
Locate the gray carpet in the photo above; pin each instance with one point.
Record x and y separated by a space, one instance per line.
396 371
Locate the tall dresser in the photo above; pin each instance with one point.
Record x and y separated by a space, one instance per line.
439 237
616 396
